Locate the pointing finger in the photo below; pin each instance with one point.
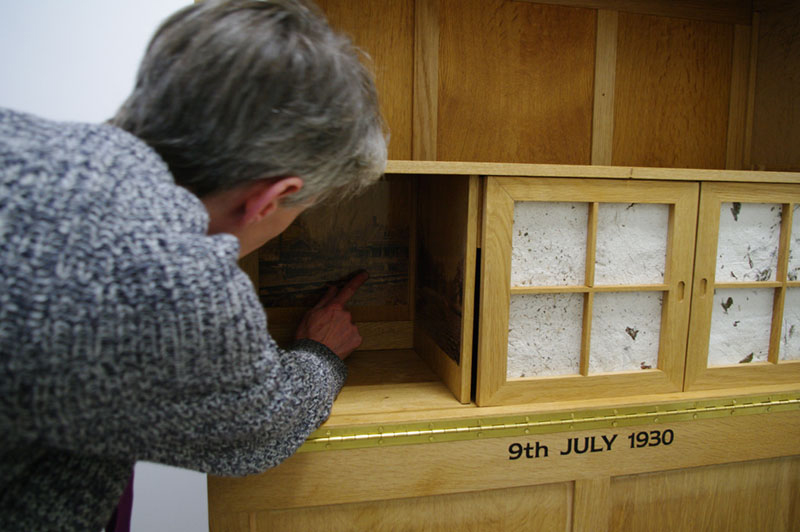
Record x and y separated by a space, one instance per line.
350 288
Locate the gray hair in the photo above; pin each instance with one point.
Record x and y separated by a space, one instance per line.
234 91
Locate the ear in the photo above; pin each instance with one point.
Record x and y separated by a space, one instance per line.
264 197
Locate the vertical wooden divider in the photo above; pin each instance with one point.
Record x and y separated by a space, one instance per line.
425 99
469 310
737 114
498 220
751 95
588 300
591 507
781 275
446 232
605 68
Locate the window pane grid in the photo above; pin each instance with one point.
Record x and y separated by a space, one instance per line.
616 342
770 265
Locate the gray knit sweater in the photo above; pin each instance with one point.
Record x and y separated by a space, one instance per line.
127 333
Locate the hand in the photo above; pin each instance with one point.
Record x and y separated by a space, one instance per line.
329 323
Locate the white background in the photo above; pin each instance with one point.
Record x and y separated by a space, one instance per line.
77 61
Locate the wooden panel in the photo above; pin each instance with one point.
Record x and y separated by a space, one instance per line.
380 473
543 507
249 265
610 172
474 479
498 219
751 93
740 78
493 385
731 11
776 127
672 92
446 233
698 373
604 81
515 82
592 505
221 521
384 29
426 79
393 366
762 495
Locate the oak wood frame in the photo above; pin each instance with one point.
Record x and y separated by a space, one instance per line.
493 386
698 375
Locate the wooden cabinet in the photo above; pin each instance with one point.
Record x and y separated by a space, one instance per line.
558 333
434 418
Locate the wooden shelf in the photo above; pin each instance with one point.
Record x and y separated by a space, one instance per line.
587 171
390 382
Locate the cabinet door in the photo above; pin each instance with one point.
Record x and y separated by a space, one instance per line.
584 288
746 297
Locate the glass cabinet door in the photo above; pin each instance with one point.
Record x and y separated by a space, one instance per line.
746 298
584 288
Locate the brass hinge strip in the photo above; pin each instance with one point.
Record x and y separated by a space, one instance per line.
505 426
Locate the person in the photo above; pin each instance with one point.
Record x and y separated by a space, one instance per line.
127 330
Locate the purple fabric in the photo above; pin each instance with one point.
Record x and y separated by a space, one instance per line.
121 518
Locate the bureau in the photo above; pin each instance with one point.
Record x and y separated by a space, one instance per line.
589 322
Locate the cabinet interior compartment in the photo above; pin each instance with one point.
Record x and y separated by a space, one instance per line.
416 237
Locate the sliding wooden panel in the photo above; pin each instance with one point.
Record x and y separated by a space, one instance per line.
745 327
384 29
515 82
776 127
584 288
445 294
673 83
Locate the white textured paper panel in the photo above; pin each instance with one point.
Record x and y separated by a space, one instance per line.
740 326
794 246
790 333
626 328
548 245
631 243
747 249
544 335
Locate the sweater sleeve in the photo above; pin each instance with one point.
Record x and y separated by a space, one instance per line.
126 333
173 364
